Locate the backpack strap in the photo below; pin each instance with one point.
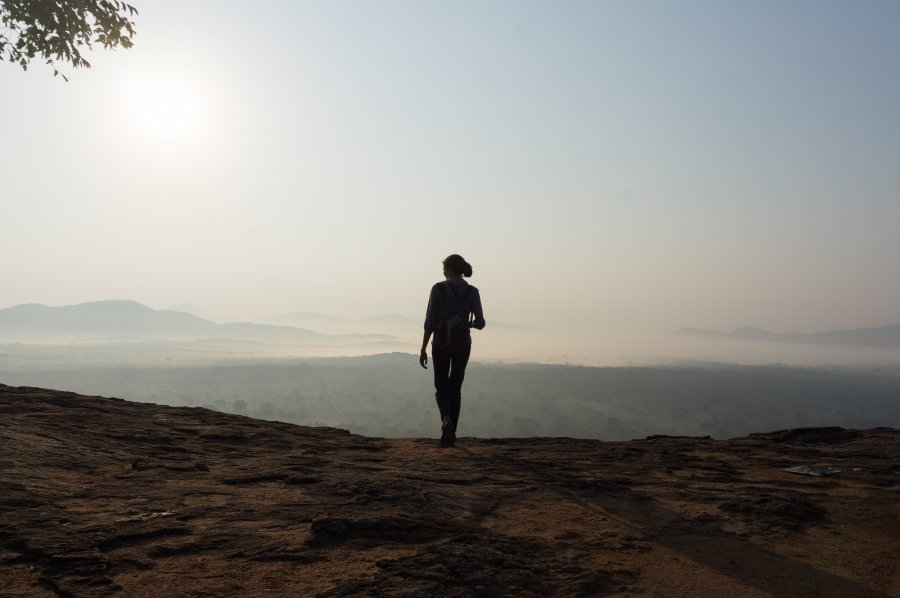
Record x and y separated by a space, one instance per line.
443 297
443 301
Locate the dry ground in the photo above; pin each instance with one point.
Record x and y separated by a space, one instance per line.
105 497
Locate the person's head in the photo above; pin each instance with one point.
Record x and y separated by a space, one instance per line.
455 265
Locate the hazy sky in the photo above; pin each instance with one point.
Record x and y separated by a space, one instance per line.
620 166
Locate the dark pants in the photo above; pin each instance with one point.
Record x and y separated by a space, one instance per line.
449 371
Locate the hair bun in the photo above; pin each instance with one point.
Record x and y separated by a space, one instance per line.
459 265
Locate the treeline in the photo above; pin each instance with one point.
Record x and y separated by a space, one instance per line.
390 396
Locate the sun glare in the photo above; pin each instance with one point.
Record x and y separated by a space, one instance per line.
162 107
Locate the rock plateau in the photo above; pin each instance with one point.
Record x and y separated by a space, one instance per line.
104 497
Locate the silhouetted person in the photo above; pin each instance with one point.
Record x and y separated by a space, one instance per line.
454 307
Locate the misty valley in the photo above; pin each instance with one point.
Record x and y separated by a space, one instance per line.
389 395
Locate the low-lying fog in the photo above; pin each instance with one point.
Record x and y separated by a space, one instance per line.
503 345
600 349
679 386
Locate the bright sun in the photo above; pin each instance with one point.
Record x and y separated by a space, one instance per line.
162 107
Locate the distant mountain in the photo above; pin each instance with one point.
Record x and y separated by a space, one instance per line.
130 319
200 313
393 324
188 309
306 316
292 334
393 319
882 336
117 318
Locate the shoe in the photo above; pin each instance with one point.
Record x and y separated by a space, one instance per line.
448 432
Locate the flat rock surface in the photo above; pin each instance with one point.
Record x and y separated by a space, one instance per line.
106 497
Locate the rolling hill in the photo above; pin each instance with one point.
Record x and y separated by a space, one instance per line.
130 320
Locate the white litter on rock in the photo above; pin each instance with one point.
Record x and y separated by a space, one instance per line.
813 470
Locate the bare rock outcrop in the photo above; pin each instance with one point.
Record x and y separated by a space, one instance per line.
104 497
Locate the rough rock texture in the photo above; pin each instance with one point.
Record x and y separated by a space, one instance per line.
106 497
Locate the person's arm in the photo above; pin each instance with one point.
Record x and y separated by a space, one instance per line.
431 321
477 312
423 355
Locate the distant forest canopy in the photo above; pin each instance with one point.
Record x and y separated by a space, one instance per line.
881 336
390 396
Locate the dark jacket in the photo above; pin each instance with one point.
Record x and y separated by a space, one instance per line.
471 304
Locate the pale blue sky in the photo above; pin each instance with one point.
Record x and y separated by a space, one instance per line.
630 166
